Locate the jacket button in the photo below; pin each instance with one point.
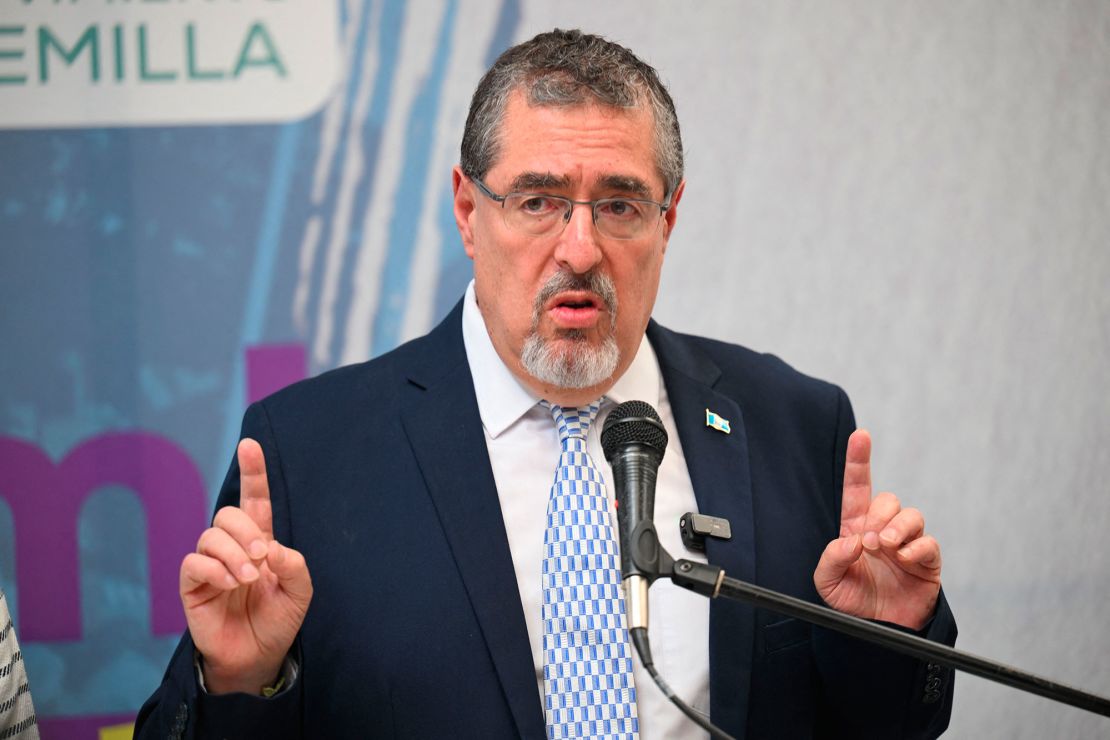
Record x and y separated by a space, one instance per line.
933 683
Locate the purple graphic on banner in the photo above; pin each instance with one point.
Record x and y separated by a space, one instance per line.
85 728
46 501
271 367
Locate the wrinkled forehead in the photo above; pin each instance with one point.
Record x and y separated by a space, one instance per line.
556 147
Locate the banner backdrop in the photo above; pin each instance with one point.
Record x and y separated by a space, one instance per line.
124 64
198 235
202 201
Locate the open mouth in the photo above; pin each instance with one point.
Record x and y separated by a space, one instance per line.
575 310
575 300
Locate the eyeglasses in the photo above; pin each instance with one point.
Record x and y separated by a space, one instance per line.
540 214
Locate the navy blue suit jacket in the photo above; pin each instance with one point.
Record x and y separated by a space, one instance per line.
379 474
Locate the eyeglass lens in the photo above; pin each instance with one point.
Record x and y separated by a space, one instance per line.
543 215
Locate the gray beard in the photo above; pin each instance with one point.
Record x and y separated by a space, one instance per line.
572 363
576 366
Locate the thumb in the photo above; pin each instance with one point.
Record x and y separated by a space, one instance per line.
838 557
291 570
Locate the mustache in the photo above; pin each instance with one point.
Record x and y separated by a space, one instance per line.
597 283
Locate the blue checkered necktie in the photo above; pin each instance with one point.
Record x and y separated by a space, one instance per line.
587 659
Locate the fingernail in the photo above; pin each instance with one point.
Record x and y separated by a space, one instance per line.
889 536
871 541
231 582
248 572
257 550
905 551
850 544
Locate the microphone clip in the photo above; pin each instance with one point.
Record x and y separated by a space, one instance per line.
696 527
646 554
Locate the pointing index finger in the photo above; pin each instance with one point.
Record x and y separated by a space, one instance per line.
254 488
857 483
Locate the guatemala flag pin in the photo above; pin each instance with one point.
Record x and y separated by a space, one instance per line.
717 422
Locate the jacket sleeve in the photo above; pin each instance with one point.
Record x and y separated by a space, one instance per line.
872 692
869 691
180 708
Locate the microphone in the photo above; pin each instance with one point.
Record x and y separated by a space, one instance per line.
634 441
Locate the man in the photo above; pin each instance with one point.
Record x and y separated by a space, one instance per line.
415 488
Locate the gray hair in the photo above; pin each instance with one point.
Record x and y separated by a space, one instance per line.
570 68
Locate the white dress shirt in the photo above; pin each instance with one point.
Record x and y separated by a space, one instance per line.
524 450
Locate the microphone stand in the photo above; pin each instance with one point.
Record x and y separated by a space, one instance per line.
634 440
710 580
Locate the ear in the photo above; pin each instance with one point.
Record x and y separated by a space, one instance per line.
464 208
671 214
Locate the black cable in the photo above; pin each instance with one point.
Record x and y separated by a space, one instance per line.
640 639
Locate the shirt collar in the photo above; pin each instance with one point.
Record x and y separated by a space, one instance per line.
502 399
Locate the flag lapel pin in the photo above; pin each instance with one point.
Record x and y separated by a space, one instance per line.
719 423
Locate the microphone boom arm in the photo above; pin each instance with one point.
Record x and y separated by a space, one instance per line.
711 581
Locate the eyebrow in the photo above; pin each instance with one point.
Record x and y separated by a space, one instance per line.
539 181
625 184
533 181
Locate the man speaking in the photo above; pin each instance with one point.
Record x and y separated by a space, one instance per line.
391 557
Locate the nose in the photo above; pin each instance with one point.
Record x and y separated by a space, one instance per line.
577 248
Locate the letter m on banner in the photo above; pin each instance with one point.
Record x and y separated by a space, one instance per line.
46 500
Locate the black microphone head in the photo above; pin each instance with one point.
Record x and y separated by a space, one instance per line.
632 422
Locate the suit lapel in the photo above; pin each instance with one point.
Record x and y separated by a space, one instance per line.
719 471
444 428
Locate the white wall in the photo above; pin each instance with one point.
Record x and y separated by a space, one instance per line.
911 200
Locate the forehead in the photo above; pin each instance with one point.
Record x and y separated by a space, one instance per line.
582 146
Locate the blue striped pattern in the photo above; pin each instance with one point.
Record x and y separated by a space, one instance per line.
587 674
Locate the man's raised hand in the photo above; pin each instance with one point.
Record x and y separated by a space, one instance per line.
245 594
883 566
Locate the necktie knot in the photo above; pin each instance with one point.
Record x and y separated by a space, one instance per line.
573 423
